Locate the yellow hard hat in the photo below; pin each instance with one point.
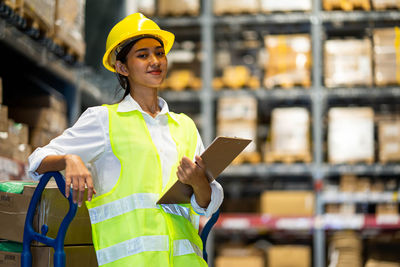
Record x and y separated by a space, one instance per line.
134 25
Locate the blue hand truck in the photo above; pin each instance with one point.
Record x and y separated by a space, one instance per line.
58 243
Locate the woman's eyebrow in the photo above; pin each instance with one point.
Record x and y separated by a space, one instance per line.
146 48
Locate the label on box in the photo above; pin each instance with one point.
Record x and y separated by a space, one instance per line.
387 219
236 223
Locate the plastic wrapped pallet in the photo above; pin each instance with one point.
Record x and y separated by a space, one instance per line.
178 7
18 133
237 108
241 129
389 140
290 135
42 12
285 5
351 135
236 6
70 25
348 62
147 7
386 56
385 4
289 60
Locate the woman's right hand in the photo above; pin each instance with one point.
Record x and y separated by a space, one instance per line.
78 175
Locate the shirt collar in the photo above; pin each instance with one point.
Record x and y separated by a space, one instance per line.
129 104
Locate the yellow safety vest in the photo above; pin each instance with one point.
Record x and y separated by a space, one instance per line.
128 228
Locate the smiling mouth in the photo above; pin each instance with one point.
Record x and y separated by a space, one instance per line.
155 72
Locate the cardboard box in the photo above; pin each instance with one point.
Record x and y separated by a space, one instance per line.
3 118
348 183
351 135
285 5
179 7
377 263
56 103
239 255
40 137
289 60
389 140
6 147
232 261
18 133
11 169
69 26
287 203
44 256
386 66
387 209
43 118
290 131
22 152
289 255
237 108
348 62
51 211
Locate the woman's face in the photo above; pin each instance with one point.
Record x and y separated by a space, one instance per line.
146 63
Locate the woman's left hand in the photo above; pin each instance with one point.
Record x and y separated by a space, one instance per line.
193 174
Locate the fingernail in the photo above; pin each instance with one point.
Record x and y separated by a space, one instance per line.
79 205
90 199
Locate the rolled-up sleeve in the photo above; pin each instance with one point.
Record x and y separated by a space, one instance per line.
217 192
86 138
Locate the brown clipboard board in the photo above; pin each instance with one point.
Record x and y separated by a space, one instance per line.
218 155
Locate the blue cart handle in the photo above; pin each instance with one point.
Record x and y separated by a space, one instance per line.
30 234
206 230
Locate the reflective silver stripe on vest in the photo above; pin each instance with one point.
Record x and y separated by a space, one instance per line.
182 211
132 247
123 205
184 246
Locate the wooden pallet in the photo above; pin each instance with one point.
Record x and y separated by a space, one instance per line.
275 157
291 84
247 157
77 49
353 162
346 5
180 13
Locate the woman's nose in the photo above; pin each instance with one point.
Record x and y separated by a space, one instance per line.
154 59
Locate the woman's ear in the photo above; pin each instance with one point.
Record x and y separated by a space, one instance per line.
121 68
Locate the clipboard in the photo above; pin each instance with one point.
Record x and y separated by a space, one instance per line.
218 155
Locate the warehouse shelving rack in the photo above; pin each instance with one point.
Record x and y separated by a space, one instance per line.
79 82
318 95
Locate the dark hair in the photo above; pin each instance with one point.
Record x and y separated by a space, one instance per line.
121 56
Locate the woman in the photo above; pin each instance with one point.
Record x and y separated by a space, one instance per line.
138 149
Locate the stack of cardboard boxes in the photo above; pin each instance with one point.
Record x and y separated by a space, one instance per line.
345 249
290 139
389 140
289 61
348 62
386 56
179 7
51 211
237 117
351 135
235 7
45 115
69 26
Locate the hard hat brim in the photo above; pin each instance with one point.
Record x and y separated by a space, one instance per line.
166 37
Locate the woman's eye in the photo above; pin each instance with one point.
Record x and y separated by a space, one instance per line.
142 56
161 53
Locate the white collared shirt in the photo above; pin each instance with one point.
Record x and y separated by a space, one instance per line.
89 139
